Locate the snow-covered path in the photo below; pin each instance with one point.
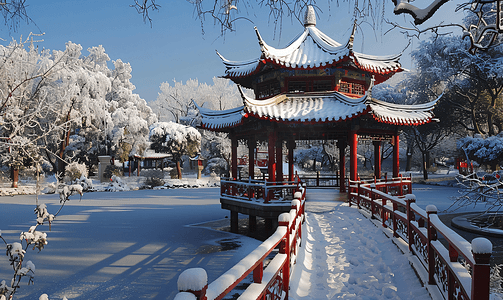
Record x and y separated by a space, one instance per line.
345 256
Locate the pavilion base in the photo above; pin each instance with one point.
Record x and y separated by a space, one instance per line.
270 212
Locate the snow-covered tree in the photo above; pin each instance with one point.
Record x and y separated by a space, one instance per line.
66 106
483 150
175 101
175 139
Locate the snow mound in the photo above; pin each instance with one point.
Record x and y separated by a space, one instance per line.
481 245
185 296
194 279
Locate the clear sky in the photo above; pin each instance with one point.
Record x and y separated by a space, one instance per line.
175 48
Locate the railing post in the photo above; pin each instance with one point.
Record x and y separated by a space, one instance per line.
284 220
318 178
395 223
194 281
481 276
358 195
409 199
432 236
258 273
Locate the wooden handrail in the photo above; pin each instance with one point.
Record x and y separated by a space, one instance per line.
420 229
287 237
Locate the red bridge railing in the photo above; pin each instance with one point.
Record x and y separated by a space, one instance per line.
441 267
258 189
271 282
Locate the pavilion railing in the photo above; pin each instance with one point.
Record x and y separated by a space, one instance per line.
271 282
320 180
443 268
258 190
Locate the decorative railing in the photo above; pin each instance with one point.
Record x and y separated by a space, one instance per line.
269 283
258 190
459 270
320 180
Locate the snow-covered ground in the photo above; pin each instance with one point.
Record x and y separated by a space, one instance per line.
345 256
134 244
124 245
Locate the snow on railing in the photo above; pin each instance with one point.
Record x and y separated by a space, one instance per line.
459 271
258 190
273 281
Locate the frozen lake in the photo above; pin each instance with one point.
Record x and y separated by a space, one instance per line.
134 244
122 245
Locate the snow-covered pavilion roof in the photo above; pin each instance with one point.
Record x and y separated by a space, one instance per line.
312 49
316 108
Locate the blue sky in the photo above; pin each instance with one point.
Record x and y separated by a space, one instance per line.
175 48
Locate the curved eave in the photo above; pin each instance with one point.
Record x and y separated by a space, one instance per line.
240 69
397 114
306 108
218 120
312 49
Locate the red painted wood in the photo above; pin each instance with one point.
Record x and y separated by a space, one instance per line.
271 167
279 160
377 159
396 162
252 145
353 162
234 156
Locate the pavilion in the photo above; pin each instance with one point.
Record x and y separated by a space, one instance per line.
313 89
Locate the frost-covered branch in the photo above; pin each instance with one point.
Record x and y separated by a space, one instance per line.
474 190
38 239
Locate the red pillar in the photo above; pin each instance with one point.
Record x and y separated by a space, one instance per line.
279 160
353 162
252 145
291 147
342 144
234 156
377 159
271 166
396 148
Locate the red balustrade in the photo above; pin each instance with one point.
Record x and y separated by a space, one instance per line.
259 190
269 283
391 203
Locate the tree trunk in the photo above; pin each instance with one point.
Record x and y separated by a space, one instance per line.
179 169
490 121
425 172
428 160
14 176
408 164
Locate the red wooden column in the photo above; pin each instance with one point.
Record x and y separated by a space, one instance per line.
377 159
291 147
353 162
271 166
342 144
252 145
279 159
234 156
396 148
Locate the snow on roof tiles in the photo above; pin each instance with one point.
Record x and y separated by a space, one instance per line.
309 50
318 108
218 119
399 114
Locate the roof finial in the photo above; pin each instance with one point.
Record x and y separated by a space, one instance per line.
310 17
352 37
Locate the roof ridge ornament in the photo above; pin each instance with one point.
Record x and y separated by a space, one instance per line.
352 37
310 17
